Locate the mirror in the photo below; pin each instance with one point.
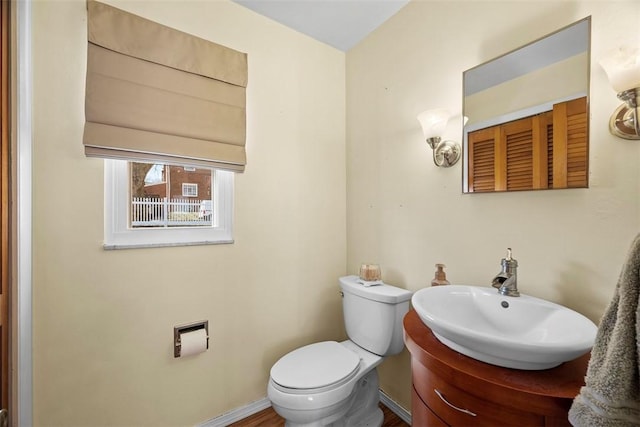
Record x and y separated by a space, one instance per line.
527 115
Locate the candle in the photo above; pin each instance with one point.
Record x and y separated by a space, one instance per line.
370 272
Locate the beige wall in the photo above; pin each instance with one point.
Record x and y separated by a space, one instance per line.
407 215
103 320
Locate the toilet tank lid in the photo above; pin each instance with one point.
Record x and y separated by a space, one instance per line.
382 293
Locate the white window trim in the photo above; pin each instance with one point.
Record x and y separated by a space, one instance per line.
118 234
22 366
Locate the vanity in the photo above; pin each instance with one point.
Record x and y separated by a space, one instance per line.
451 389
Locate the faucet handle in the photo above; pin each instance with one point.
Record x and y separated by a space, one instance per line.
509 261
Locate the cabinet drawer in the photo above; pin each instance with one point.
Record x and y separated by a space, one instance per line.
459 408
421 415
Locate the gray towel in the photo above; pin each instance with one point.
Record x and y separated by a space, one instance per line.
611 395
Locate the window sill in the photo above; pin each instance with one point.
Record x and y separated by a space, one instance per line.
113 247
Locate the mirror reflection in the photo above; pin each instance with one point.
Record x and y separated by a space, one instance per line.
527 116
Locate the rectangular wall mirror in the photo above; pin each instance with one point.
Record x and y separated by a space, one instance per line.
527 116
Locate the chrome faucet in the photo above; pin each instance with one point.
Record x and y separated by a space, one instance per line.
507 280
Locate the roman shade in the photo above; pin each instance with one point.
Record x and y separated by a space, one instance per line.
156 94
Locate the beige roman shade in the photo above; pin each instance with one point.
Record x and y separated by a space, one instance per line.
156 94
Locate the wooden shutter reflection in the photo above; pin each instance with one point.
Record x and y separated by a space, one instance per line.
542 123
519 154
577 146
547 150
549 131
481 160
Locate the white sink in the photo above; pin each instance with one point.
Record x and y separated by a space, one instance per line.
515 332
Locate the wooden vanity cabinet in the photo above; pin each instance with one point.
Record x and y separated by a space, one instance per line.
450 389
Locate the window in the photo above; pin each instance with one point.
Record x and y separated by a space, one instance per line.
150 205
160 197
189 189
132 68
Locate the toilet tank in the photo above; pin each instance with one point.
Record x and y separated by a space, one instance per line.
373 315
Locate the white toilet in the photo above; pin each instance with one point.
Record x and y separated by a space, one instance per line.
336 384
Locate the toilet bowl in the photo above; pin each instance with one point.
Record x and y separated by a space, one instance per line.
332 391
336 383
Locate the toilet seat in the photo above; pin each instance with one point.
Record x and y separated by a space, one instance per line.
315 366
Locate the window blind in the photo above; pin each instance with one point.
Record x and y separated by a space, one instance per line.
156 94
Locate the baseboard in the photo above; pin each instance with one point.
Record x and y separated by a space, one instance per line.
395 407
237 414
259 405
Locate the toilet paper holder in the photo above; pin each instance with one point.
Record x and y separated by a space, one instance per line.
191 327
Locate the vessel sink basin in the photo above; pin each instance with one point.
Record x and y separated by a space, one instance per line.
515 332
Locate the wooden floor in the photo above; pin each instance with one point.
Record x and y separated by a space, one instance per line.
268 418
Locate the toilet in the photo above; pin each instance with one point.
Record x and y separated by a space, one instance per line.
333 383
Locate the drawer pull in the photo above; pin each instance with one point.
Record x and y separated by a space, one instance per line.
466 411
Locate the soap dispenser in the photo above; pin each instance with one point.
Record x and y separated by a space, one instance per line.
440 277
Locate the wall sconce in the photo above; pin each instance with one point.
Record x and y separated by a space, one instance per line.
623 69
433 122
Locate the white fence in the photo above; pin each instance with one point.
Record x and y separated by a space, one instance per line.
165 212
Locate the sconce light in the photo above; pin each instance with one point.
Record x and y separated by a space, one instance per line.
623 69
433 122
